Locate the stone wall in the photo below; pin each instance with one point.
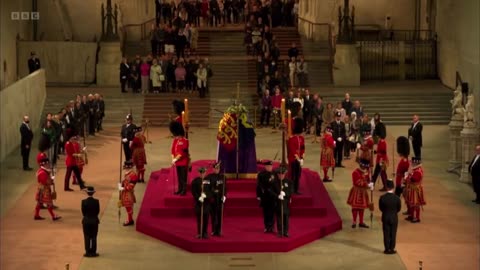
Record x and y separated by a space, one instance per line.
64 62
24 97
457 24
9 30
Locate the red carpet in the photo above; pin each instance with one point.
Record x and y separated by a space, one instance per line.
171 218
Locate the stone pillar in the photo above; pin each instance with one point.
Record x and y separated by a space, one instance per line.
108 67
346 70
470 137
455 162
402 70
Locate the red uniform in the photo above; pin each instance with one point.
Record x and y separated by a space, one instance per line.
328 145
80 161
382 152
70 149
127 195
402 168
414 196
358 197
44 192
180 150
139 157
277 102
366 149
40 157
296 148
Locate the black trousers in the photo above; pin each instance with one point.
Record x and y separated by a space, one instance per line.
389 235
216 213
127 151
417 150
378 171
202 226
296 171
123 83
286 218
202 91
78 175
25 156
90 232
338 153
398 191
182 178
268 208
318 127
92 123
476 187
265 117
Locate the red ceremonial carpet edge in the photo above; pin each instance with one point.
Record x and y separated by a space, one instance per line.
171 218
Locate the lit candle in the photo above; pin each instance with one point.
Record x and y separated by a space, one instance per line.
289 123
186 111
282 110
183 119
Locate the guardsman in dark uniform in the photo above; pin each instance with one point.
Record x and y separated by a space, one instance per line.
128 134
202 195
339 135
282 188
33 63
266 196
390 205
90 221
219 191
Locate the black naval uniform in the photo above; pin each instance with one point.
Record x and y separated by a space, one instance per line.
287 187
127 133
390 205
90 211
267 197
218 182
197 192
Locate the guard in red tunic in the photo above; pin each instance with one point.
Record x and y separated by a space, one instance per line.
79 151
366 149
358 197
381 162
127 192
72 161
296 151
327 160
139 157
414 195
44 190
403 150
180 156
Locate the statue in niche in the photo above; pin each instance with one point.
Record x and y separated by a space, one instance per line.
469 112
457 106
109 17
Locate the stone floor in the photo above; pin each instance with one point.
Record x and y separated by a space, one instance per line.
447 238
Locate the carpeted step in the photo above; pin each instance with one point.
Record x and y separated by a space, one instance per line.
235 211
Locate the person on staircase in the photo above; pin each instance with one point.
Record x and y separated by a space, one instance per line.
124 74
202 77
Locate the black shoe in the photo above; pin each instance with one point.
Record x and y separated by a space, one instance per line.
414 220
54 207
279 235
286 234
205 236
476 201
363 225
198 236
297 193
130 223
393 252
38 218
327 180
55 218
43 207
82 187
386 252
27 169
183 193
176 193
354 226
409 218
68 189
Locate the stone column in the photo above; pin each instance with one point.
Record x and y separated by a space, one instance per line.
470 137
346 71
108 67
455 162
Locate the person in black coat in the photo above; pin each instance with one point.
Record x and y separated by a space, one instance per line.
266 196
33 63
283 189
202 194
26 142
90 221
124 74
415 135
127 134
474 169
339 135
390 205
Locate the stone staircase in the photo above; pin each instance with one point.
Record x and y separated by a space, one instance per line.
117 104
317 55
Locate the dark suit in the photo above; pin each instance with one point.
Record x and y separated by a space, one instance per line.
127 133
416 134
474 170
26 143
390 205
124 75
338 132
90 221
33 65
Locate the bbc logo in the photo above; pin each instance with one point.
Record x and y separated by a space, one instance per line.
25 16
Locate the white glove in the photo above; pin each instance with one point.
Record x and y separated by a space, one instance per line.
282 193
359 145
258 198
280 197
405 175
174 161
120 188
203 195
224 199
370 185
124 140
301 162
52 177
201 199
339 139
84 149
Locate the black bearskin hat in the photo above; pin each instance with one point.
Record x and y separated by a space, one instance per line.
176 129
295 109
178 106
297 126
403 146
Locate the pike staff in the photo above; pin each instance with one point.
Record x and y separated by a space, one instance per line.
120 182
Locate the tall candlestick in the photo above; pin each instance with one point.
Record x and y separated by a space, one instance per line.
185 101
183 119
289 123
282 110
